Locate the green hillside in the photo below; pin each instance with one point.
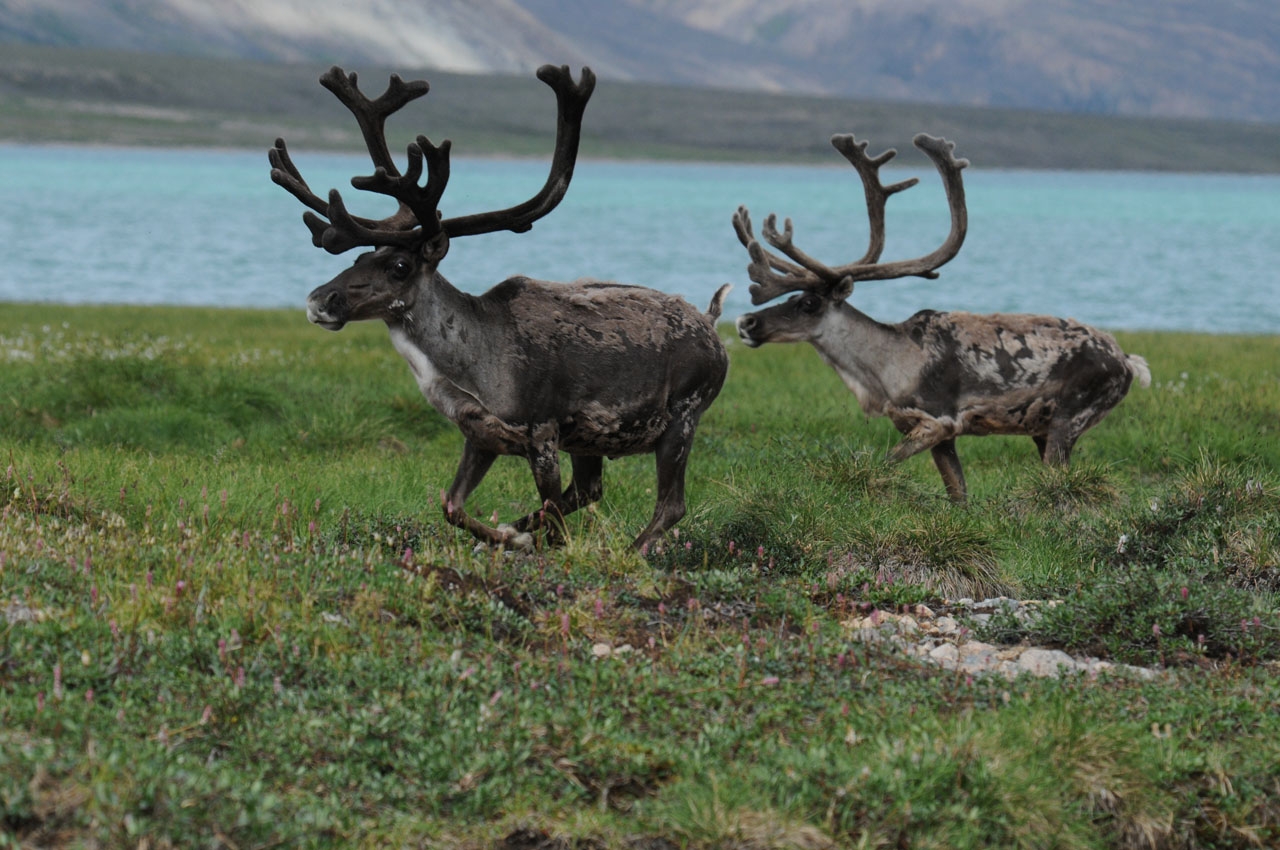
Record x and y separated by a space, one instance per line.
77 96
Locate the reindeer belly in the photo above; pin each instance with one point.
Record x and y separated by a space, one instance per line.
597 429
1009 416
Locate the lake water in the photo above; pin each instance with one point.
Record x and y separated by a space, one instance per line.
1120 250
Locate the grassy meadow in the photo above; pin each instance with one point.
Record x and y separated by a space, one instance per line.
235 617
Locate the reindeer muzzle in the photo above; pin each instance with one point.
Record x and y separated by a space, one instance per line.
328 309
748 325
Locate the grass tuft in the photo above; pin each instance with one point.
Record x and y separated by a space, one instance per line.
1057 489
949 554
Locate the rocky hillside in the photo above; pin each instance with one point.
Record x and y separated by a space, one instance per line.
1176 58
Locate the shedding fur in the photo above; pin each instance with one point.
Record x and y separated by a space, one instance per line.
937 376
529 368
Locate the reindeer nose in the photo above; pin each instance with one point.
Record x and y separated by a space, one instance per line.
330 301
747 323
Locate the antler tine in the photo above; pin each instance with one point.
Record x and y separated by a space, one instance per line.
942 153
742 226
418 204
345 231
775 276
877 194
782 241
772 275
285 174
372 115
416 218
571 103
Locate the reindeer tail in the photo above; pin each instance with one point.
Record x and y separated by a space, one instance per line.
717 301
1141 370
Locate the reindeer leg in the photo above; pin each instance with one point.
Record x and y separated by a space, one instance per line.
587 485
472 467
1057 449
924 434
544 461
948 463
1040 446
672 456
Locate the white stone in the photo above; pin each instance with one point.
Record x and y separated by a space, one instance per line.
947 625
1045 662
944 652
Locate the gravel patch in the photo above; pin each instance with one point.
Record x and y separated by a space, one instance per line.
943 639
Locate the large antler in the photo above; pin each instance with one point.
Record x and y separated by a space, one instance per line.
417 220
773 275
571 102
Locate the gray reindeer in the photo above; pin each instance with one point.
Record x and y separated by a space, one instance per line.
529 368
936 375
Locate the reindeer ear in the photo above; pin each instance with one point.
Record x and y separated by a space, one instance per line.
843 289
434 249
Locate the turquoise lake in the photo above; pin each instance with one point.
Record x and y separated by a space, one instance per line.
1120 250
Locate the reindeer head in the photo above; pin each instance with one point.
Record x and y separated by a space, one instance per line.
822 289
410 243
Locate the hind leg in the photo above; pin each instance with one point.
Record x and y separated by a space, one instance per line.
672 456
1055 448
586 487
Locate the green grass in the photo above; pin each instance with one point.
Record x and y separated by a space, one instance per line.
235 615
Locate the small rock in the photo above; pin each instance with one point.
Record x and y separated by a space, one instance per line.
946 652
946 626
1045 662
17 612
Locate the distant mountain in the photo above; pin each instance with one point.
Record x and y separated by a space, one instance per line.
1176 58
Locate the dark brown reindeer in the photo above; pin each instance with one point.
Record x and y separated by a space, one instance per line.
936 375
529 368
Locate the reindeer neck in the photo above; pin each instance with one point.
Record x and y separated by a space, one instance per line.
443 336
877 362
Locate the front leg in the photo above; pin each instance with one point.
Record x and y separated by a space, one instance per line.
948 463
472 467
672 457
918 435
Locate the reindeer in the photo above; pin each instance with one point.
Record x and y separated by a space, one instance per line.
529 368
936 375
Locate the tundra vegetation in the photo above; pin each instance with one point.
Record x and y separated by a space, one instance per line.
233 615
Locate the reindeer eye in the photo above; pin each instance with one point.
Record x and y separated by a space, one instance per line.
810 304
401 269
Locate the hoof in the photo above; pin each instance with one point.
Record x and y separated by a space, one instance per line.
513 539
